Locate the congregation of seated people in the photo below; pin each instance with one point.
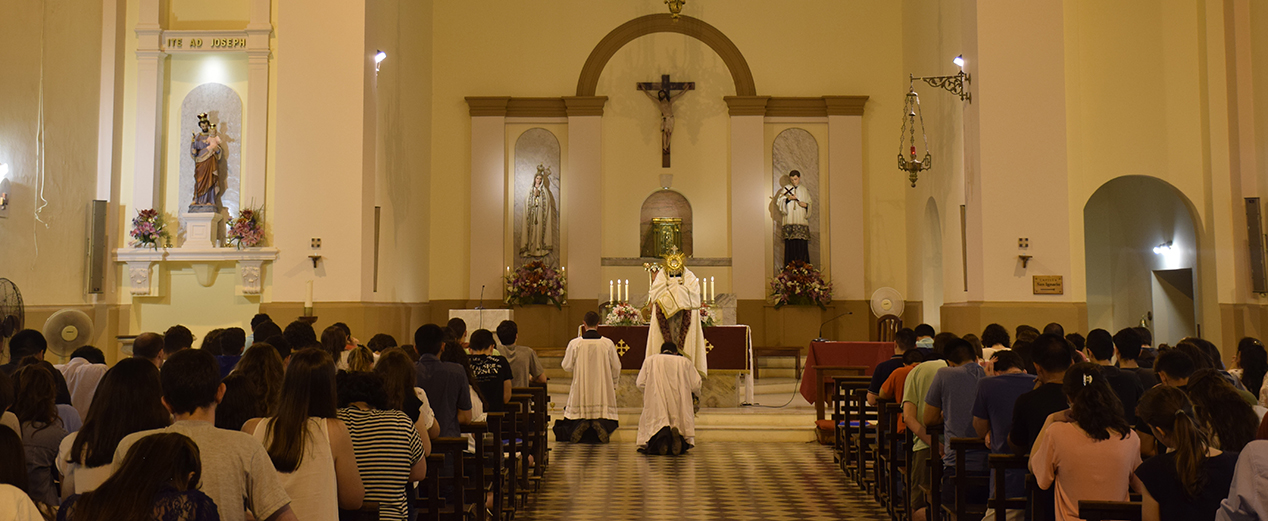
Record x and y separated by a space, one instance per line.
1102 426
271 424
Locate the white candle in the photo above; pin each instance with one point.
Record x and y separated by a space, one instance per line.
713 290
611 298
308 299
627 290
508 271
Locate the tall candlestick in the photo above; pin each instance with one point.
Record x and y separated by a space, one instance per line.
308 298
610 295
627 290
713 290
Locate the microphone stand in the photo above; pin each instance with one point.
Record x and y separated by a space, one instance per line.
820 337
480 307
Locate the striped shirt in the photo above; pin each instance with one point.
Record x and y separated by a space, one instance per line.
386 446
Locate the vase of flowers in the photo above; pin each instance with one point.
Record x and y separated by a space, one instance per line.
708 317
623 314
247 230
536 283
149 230
800 284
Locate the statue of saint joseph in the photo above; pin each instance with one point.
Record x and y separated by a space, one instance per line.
205 148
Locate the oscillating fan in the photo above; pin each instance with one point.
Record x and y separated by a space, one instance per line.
11 311
66 331
887 301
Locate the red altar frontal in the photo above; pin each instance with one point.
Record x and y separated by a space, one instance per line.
728 346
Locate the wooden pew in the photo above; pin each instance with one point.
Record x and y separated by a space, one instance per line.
1109 510
496 475
961 510
537 435
1001 463
429 502
446 497
845 434
369 511
895 459
522 429
865 446
933 491
474 465
511 450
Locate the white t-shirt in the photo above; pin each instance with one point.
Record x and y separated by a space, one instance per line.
84 479
16 505
10 420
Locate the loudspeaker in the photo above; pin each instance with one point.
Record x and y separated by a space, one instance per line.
1255 242
96 269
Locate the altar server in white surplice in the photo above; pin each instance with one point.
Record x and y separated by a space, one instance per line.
668 423
675 298
596 369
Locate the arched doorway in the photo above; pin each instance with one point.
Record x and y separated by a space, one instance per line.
931 267
1141 248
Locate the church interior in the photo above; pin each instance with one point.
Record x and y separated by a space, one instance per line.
782 190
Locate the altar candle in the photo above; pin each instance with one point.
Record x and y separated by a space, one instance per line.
713 290
610 297
627 290
308 299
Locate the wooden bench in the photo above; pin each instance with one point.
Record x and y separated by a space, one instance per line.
1109 510
795 352
1001 464
960 509
369 511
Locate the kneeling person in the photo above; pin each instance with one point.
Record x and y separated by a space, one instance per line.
668 423
596 369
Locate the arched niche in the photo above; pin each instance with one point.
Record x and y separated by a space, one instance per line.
1127 280
224 109
796 149
664 204
627 32
931 266
536 149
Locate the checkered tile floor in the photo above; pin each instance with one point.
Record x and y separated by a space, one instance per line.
715 481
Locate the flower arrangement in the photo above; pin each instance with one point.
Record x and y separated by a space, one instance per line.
149 230
536 283
708 317
623 314
800 284
247 230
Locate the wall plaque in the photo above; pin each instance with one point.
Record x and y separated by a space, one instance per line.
1049 285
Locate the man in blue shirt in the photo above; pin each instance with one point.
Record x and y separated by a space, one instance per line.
445 383
950 401
904 340
993 415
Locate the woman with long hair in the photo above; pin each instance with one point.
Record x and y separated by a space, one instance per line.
1250 365
1220 408
309 446
1188 482
128 400
334 341
454 352
397 371
14 502
264 368
157 480
390 453
1088 451
241 402
42 429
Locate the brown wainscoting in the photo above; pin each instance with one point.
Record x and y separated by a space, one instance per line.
963 318
1237 321
108 320
798 325
365 319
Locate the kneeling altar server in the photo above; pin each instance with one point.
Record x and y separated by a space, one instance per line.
596 369
668 423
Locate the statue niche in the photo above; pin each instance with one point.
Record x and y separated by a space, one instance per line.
665 222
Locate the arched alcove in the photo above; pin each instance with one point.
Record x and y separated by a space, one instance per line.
664 204
931 266
537 239
796 149
1141 247
224 109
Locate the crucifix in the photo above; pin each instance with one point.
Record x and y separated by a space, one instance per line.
664 99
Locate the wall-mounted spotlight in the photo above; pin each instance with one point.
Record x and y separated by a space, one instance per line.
1164 248
378 59
959 61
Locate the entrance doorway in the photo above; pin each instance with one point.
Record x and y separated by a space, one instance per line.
1173 311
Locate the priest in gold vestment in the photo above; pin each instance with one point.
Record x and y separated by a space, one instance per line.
675 300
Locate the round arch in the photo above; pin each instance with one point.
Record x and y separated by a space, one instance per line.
627 32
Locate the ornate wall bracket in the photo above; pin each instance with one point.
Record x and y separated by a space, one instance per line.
205 262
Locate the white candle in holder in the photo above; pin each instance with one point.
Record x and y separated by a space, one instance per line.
308 299
611 298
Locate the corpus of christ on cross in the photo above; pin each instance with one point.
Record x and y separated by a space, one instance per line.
664 99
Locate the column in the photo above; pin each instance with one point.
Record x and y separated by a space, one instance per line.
488 195
149 113
748 190
257 123
585 211
845 189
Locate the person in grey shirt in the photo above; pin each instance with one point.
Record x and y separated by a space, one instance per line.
236 470
525 367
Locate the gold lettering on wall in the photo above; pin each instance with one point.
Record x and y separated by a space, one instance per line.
1048 285
174 42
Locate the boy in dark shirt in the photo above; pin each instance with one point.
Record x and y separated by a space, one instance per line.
1052 356
492 372
1100 350
1127 344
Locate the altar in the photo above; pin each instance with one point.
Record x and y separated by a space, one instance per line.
729 347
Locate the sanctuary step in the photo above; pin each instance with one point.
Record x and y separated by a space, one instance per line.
751 424
768 367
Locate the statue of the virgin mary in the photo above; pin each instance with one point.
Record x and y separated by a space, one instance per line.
539 217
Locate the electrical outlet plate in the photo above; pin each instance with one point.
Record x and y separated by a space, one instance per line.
316 243
1023 243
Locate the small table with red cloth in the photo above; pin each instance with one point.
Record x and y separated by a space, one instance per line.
840 354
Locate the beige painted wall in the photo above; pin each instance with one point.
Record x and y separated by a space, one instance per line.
495 48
